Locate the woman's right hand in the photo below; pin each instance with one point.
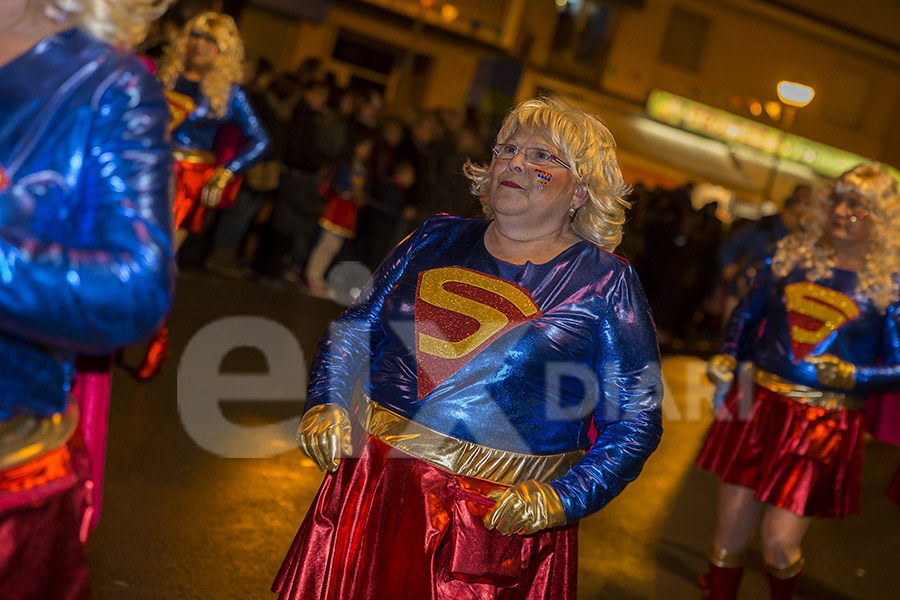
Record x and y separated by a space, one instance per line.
720 368
324 435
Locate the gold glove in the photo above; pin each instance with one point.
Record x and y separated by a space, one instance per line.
324 434
720 368
834 372
211 194
526 507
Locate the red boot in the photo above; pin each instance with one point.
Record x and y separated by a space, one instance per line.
721 583
724 577
783 582
157 353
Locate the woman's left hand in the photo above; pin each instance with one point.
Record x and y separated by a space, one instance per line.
526 507
211 195
833 372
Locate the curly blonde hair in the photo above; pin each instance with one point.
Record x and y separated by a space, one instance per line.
811 247
227 65
122 22
584 142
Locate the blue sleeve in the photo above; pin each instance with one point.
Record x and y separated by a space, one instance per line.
741 330
628 416
345 353
98 272
886 376
245 118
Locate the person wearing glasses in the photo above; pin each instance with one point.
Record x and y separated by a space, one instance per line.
820 329
218 136
86 262
511 385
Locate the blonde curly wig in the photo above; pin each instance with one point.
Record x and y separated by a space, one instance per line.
584 142
226 70
122 22
811 247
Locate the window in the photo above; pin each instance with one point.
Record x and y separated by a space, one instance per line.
685 39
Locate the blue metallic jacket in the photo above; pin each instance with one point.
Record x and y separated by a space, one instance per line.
782 321
524 358
85 223
199 130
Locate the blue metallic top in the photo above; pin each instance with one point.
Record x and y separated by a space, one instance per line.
523 358
85 223
782 321
199 130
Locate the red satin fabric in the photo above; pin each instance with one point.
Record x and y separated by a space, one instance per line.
804 459
41 553
190 177
339 215
388 526
894 489
883 417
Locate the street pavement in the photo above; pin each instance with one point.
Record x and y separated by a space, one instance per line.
182 521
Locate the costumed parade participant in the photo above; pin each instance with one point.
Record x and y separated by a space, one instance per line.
344 193
820 328
219 137
488 350
86 261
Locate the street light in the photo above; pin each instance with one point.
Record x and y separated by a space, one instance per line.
792 95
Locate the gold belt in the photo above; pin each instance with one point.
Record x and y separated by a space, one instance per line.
807 395
24 438
462 457
199 157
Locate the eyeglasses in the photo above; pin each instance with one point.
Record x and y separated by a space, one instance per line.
535 156
206 37
855 206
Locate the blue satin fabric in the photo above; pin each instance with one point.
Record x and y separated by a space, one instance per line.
199 130
85 224
871 341
591 357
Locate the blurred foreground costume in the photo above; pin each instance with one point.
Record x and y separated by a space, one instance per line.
86 265
820 336
503 400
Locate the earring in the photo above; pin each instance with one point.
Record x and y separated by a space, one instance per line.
572 213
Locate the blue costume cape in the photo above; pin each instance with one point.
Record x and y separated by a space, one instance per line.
523 358
85 223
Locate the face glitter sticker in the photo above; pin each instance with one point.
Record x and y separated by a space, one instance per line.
543 178
459 312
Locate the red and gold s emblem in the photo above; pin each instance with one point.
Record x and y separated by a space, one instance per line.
459 312
814 313
180 106
4 179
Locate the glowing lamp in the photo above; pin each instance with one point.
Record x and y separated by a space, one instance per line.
795 94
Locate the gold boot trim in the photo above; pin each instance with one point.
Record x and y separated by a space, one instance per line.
787 572
725 559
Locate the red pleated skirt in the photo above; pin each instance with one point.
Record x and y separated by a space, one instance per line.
802 458
190 177
339 216
388 526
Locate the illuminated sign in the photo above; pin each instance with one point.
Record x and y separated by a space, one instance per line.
707 121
